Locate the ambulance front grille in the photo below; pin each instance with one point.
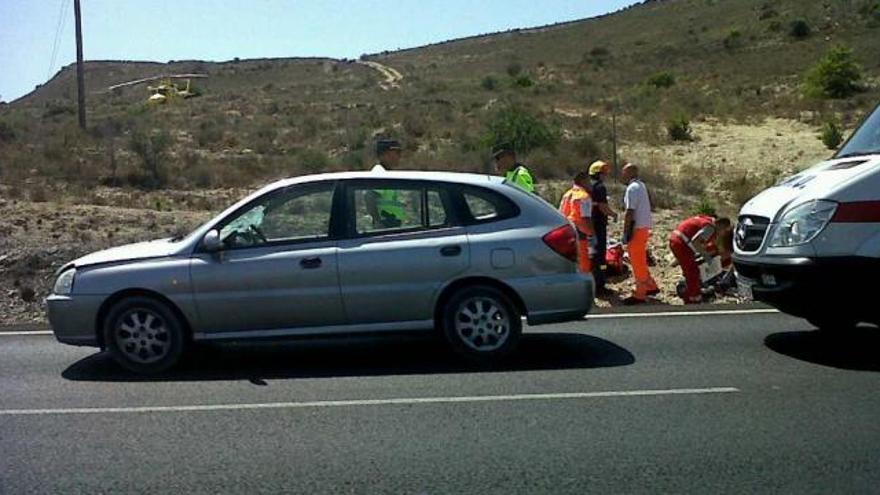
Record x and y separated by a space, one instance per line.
750 232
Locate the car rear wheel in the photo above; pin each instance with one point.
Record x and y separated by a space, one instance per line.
481 323
144 335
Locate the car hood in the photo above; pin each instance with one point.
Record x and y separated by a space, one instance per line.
819 182
129 252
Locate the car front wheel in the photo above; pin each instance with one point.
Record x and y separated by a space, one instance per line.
143 335
481 323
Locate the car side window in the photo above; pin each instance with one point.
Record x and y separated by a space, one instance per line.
480 208
487 206
297 214
398 208
437 215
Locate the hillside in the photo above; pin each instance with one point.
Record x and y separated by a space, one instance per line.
733 68
730 60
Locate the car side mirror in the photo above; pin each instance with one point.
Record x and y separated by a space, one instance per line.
211 241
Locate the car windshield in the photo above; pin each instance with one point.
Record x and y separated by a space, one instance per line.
866 140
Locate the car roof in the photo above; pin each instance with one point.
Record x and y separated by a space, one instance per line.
456 177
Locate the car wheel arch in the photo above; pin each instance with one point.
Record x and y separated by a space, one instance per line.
116 297
456 285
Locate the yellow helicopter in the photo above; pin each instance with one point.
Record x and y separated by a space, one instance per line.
167 90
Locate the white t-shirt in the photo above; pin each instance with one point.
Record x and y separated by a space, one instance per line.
636 199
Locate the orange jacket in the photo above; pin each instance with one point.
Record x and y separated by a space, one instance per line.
577 207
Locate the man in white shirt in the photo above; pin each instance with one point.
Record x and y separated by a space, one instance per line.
637 225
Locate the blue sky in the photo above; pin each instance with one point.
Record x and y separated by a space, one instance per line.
162 30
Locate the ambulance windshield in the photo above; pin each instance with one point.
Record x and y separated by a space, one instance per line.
866 140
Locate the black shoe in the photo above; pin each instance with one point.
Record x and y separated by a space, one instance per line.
653 292
633 301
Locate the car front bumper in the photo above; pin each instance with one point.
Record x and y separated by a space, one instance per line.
806 287
73 318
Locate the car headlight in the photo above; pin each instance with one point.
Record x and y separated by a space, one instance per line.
802 223
64 283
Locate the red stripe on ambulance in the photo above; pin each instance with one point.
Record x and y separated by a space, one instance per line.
857 212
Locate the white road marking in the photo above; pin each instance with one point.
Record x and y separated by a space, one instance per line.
682 313
26 332
368 402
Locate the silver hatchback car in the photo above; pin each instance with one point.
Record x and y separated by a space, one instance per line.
464 255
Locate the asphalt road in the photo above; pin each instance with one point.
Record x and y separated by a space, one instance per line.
721 403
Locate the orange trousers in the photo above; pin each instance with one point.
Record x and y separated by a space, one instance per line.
585 264
638 257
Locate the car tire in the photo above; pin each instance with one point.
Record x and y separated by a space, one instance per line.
144 335
481 323
826 323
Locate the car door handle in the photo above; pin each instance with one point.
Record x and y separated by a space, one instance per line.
450 250
309 263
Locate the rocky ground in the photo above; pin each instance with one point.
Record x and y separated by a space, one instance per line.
37 238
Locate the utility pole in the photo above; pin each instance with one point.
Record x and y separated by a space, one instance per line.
614 140
80 77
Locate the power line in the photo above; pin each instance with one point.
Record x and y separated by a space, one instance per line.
59 29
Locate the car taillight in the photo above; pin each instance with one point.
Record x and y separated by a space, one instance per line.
563 241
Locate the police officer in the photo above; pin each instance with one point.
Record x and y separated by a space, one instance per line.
388 153
384 205
506 164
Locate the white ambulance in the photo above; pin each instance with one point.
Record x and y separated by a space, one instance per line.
810 246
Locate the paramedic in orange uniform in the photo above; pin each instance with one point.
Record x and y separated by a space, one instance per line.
696 236
577 207
637 225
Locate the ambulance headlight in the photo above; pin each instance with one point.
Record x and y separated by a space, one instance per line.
64 283
802 223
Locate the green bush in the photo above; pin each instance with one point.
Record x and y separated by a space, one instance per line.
679 129
661 80
313 161
831 135
733 39
836 75
597 57
705 207
599 52
56 109
521 129
152 149
523 81
7 133
870 11
767 12
799 29
489 83
209 133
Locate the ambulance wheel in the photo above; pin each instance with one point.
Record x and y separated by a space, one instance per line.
827 323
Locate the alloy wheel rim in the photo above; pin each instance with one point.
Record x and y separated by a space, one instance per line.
482 324
143 336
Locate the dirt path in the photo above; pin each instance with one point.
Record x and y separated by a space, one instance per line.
391 75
